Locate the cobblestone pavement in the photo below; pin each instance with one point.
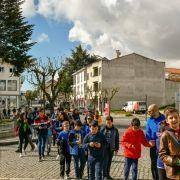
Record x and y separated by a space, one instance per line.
28 167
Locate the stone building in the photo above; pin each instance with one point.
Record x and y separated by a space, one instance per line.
136 77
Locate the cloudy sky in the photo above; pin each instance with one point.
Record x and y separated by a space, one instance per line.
147 27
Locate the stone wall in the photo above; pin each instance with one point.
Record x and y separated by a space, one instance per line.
135 76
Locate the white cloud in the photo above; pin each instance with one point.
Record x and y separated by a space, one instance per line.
148 27
43 38
29 8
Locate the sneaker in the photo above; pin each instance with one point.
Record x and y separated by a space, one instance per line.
109 177
61 177
40 158
32 149
17 151
20 155
24 152
57 157
67 176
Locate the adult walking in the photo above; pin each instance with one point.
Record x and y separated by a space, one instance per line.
112 137
151 134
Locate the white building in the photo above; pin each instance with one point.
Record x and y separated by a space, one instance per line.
10 86
79 87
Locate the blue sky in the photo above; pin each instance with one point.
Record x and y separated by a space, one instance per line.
150 28
55 44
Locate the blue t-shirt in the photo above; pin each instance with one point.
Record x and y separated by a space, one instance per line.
64 135
152 127
75 136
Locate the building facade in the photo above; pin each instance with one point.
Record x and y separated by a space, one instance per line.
135 77
172 85
10 87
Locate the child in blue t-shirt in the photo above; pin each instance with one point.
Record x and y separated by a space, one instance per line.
75 140
64 150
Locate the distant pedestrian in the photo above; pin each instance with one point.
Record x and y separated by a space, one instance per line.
131 141
23 131
151 134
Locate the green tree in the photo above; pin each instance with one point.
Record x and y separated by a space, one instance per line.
79 58
15 35
30 96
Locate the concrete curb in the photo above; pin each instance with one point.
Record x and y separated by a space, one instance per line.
13 141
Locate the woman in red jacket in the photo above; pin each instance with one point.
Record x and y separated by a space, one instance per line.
131 142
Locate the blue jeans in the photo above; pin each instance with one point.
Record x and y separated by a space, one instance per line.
95 168
79 163
128 163
41 144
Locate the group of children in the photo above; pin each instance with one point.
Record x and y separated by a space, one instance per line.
95 144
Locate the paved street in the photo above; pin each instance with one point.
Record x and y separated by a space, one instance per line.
13 167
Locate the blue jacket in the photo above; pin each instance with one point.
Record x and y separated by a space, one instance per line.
75 136
64 135
152 127
95 153
86 129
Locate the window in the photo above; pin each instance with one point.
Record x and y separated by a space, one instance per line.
12 85
1 69
95 71
95 86
2 85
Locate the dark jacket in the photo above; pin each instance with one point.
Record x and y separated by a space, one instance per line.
95 153
169 152
111 134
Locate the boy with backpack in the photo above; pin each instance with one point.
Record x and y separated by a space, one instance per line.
76 150
131 142
64 150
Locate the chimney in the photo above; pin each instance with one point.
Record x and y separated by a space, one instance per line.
118 53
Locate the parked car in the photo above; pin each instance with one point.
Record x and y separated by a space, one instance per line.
135 106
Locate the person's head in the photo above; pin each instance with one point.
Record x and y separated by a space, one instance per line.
63 116
172 117
22 116
77 125
65 125
153 111
96 113
109 121
75 111
94 127
89 119
41 111
135 123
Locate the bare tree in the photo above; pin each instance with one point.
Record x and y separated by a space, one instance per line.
109 95
48 77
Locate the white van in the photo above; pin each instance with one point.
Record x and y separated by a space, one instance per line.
135 106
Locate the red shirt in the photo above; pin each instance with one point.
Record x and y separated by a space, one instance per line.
131 142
